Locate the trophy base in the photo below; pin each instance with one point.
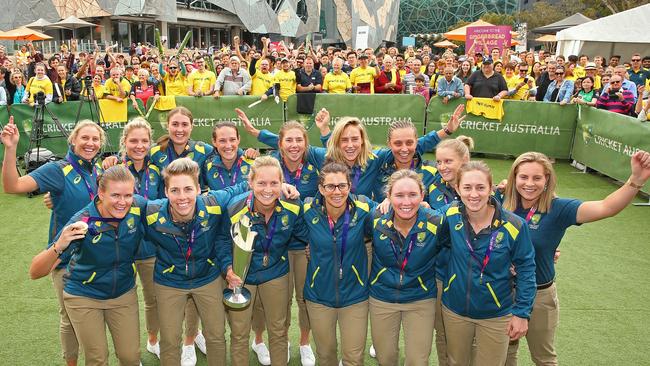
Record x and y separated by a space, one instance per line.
236 301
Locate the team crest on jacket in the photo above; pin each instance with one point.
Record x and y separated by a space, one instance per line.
305 178
204 223
535 219
285 220
421 237
151 176
130 223
498 240
244 169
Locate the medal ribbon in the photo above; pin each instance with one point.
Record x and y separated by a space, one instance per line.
344 236
234 175
405 259
90 219
530 214
269 233
295 181
190 243
146 179
171 153
355 178
483 263
79 170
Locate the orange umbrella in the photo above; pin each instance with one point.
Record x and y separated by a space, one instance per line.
23 34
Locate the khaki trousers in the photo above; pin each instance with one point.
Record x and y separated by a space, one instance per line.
489 334
439 325
145 269
543 323
416 317
273 296
297 276
171 309
90 317
353 325
69 342
191 318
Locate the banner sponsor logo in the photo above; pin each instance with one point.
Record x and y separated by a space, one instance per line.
518 128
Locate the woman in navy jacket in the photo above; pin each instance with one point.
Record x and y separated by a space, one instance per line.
99 290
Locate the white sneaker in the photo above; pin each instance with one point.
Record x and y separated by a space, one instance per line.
372 351
340 363
263 355
188 357
307 357
288 351
154 348
200 342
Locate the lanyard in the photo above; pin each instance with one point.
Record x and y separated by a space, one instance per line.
488 251
344 236
530 214
266 246
446 192
190 243
145 194
355 178
295 181
171 153
405 259
234 174
78 170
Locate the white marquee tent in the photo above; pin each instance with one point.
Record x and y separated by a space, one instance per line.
622 34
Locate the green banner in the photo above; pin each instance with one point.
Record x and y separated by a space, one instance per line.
375 111
526 126
4 119
66 113
605 141
208 111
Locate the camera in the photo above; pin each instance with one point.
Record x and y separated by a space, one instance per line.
39 98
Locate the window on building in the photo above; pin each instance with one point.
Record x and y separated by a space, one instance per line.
120 33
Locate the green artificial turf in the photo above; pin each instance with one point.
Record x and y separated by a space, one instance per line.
601 279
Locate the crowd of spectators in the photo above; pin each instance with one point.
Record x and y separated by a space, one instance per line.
280 70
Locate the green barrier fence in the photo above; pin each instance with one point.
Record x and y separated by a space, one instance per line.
604 141
526 126
375 111
208 111
4 118
66 113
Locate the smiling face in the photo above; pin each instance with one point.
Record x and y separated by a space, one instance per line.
226 141
293 145
266 185
137 144
116 199
335 189
351 143
402 143
530 181
474 189
405 197
182 191
448 162
40 71
180 128
87 143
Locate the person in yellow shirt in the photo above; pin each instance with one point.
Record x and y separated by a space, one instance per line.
37 84
363 77
262 79
176 79
337 82
201 81
286 79
591 70
117 88
519 85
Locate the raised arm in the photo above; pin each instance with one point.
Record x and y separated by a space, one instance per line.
248 126
12 182
614 203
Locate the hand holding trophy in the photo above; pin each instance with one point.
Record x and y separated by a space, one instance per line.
243 238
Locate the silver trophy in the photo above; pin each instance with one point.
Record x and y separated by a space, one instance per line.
243 238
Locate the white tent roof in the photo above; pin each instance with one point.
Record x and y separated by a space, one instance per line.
624 27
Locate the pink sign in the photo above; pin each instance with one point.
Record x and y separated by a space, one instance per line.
496 36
